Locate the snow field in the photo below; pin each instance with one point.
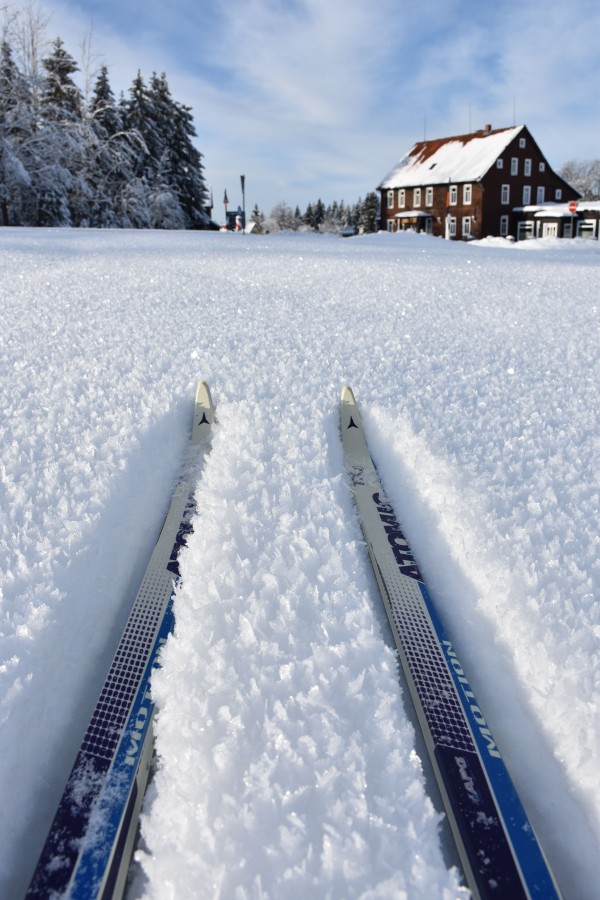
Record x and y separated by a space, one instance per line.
286 755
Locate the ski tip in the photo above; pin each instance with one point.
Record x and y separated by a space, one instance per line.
203 397
350 422
203 412
347 394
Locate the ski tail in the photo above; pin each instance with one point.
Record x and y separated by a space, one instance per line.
499 851
89 846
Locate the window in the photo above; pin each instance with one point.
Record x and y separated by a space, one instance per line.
541 195
453 200
402 198
503 226
558 194
525 231
390 199
390 225
522 142
527 168
514 166
499 163
526 194
417 197
586 229
505 194
429 196
466 226
452 227
542 167
467 194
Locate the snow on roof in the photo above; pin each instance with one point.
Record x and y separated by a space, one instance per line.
559 210
454 159
412 214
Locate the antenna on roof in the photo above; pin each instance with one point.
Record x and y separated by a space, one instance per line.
425 127
514 110
470 123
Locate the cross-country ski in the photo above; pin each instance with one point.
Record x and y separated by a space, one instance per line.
89 846
499 851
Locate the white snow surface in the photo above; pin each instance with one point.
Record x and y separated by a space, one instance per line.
288 764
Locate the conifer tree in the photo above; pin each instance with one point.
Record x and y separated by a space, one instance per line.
13 175
61 98
106 116
370 213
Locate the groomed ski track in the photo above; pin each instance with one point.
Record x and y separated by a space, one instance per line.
286 752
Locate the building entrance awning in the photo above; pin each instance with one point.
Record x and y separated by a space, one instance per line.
413 214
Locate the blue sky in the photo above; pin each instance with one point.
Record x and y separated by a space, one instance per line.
319 98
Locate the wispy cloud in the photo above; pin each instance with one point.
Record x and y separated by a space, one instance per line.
314 98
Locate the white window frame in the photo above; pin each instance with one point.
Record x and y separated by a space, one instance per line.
416 197
428 196
527 168
466 226
542 167
526 194
401 198
503 226
452 226
390 199
505 194
453 195
540 196
500 163
467 194
514 165
558 194
522 142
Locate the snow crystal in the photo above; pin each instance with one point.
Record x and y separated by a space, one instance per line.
287 759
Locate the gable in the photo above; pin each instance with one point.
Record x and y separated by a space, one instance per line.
464 158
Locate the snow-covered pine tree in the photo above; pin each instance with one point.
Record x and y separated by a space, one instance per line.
113 152
258 218
14 130
180 162
369 218
105 114
63 193
61 98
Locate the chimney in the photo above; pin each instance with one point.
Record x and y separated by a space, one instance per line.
487 129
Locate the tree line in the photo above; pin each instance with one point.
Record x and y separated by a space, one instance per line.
361 216
584 176
66 160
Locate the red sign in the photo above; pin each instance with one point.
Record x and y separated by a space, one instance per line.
573 206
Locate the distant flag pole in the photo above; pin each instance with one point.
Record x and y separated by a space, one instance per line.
243 181
225 202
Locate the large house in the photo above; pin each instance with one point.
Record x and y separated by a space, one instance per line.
471 185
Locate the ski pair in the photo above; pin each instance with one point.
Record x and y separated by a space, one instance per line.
88 849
